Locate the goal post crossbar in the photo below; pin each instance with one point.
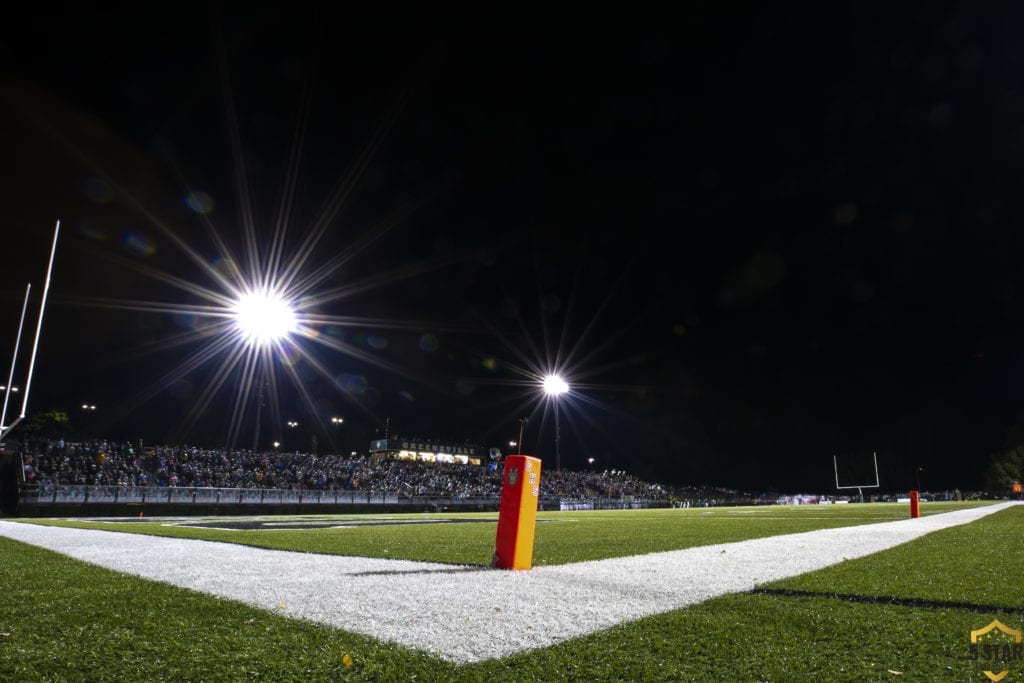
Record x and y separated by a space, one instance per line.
835 464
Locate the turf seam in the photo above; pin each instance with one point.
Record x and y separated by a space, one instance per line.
888 600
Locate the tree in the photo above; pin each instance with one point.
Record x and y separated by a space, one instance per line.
53 424
1004 469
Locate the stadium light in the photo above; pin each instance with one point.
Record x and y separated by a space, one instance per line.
263 317
555 386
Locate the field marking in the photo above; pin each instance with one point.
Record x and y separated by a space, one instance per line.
468 614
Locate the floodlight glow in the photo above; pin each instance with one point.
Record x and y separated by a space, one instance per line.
554 385
262 312
263 317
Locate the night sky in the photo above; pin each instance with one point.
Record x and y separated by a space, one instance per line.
753 239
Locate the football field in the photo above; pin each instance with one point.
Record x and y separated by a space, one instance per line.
421 583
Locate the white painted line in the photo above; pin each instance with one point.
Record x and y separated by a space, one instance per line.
467 614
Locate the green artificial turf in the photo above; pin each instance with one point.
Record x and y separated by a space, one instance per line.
904 614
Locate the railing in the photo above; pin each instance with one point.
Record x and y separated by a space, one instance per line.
83 494
206 495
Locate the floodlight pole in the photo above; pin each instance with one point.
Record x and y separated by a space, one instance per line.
555 386
558 434
522 426
259 415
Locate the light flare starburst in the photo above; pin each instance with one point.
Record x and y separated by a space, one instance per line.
554 373
266 310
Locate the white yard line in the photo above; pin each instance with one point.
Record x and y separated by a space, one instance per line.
467 614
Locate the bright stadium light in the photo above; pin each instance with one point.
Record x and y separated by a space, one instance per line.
555 386
263 317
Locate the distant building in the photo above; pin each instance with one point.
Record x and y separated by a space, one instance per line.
418 449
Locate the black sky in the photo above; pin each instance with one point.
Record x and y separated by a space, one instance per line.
772 235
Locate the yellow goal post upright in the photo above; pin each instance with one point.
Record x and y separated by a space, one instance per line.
859 486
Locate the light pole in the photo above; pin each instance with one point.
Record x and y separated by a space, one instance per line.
88 408
555 386
259 413
522 426
336 422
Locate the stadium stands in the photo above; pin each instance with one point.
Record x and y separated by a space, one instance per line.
50 463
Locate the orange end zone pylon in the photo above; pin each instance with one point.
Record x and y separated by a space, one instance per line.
915 505
517 513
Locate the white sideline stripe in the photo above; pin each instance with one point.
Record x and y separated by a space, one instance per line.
468 614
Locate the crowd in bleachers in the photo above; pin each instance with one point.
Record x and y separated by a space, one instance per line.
50 463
